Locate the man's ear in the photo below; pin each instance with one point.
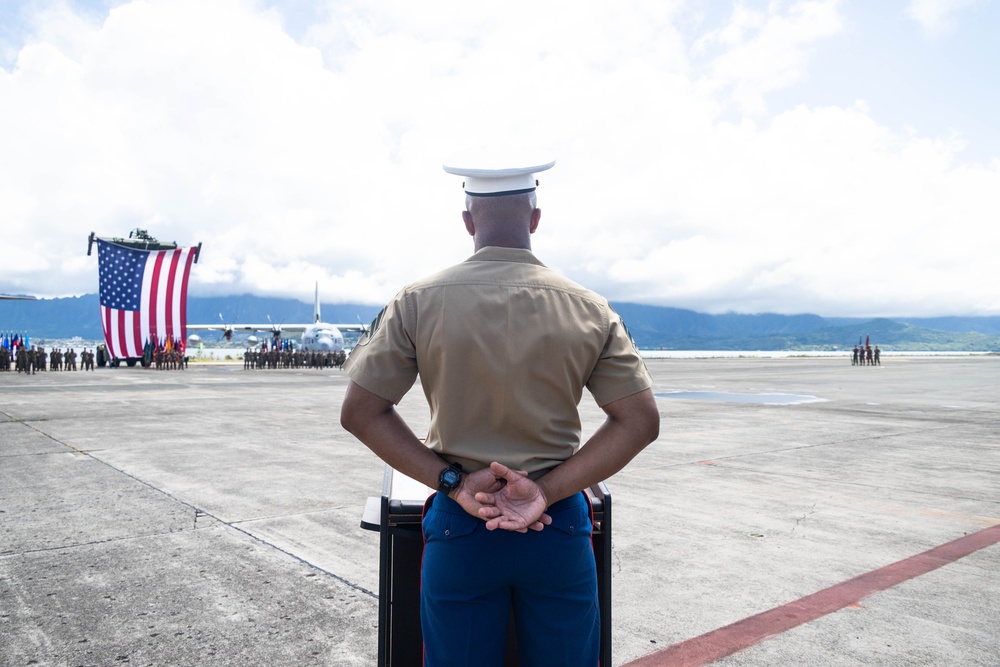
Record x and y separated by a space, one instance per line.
536 215
469 225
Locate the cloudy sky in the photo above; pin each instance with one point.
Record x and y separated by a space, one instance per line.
837 157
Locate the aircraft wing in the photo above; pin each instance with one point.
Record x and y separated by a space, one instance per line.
280 328
293 328
274 329
13 297
351 328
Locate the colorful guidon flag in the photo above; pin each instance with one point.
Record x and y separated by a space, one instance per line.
143 296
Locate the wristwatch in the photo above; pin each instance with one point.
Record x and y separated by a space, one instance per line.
450 478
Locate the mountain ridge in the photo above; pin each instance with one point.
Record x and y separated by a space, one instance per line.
652 327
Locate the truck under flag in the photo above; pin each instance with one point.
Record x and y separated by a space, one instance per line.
143 292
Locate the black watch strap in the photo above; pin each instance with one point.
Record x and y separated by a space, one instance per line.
450 478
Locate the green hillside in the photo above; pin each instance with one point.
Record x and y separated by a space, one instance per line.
652 327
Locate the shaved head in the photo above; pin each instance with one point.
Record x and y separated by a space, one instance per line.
506 221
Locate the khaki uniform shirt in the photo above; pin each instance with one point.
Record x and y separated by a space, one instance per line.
504 347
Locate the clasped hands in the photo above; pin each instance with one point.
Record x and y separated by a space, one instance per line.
506 499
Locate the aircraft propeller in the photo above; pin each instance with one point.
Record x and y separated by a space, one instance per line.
275 329
227 329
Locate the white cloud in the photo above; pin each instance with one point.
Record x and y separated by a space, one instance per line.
318 159
760 51
937 17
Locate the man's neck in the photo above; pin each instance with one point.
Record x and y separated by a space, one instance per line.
479 245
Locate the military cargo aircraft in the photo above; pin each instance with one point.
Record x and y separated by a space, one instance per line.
317 336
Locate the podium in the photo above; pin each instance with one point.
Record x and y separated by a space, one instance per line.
396 515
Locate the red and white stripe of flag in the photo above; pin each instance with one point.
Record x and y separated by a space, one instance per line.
163 311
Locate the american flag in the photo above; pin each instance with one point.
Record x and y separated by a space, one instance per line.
143 296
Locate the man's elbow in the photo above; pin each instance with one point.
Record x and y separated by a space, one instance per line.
360 409
351 414
639 415
353 419
348 419
646 418
650 427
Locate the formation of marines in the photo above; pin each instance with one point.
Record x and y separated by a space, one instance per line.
866 355
165 354
31 360
66 361
276 357
167 360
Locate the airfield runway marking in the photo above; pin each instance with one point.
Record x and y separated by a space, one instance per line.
752 630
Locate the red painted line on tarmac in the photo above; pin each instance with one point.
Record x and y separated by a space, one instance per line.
752 630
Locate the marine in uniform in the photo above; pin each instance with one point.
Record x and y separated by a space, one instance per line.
504 347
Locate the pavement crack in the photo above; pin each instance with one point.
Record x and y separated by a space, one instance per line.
803 517
269 517
198 514
233 525
79 545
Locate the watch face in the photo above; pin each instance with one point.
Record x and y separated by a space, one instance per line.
450 477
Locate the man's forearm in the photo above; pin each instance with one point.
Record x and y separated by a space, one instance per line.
632 423
375 422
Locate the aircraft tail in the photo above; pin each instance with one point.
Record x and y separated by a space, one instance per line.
316 307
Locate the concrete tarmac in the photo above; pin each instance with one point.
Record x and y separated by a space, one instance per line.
211 517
